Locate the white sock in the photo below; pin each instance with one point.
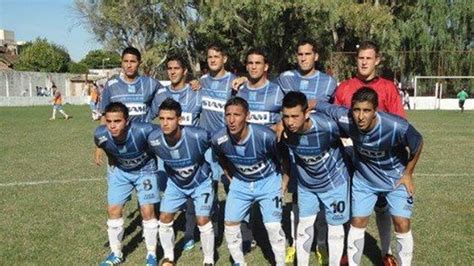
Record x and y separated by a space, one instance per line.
115 232
304 239
404 248
150 231
335 244
63 113
233 235
355 245
384 225
54 114
167 239
277 240
321 231
294 214
207 242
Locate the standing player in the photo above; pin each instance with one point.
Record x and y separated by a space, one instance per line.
322 175
182 150
58 104
368 58
386 150
248 153
264 97
131 165
462 96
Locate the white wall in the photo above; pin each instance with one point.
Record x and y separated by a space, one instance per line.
31 101
431 103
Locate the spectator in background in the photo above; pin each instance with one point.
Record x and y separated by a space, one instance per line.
462 96
406 99
94 101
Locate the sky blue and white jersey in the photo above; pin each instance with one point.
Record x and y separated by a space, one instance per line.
381 155
137 96
189 100
319 86
131 155
214 92
184 162
252 159
318 155
264 103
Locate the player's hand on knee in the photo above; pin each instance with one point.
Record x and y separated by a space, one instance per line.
407 181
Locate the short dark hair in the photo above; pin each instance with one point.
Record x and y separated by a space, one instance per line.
217 47
133 51
117 107
236 100
295 98
257 51
181 61
365 94
307 41
365 45
171 105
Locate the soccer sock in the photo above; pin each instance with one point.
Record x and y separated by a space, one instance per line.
54 114
404 247
207 242
335 243
190 221
233 235
355 245
150 231
384 225
167 239
277 241
304 239
63 113
294 214
115 232
321 231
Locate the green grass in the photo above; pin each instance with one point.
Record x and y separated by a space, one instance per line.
64 222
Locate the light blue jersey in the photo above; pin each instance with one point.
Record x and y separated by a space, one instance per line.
319 86
214 92
254 158
264 103
131 155
318 155
184 162
137 96
189 100
380 156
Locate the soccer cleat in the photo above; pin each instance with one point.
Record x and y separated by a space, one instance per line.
389 260
290 255
167 262
322 257
189 245
151 260
344 261
112 259
208 264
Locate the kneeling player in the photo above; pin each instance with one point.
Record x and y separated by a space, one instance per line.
322 175
386 150
130 166
247 153
182 151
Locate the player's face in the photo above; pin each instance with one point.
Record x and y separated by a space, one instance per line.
130 65
176 73
116 124
169 121
294 119
364 115
306 57
235 117
256 66
367 61
216 60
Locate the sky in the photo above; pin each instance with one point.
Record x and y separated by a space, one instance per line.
50 19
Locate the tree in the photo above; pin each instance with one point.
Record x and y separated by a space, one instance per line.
42 56
97 59
78 68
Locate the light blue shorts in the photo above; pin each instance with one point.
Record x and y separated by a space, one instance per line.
121 185
400 203
267 192
174 198
335 202
58 107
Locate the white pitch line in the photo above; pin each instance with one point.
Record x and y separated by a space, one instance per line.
43 182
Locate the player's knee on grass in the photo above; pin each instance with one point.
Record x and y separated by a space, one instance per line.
114 211
401 224
166 217
147 211
202 220
360 222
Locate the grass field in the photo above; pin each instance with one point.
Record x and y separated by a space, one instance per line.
53 196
